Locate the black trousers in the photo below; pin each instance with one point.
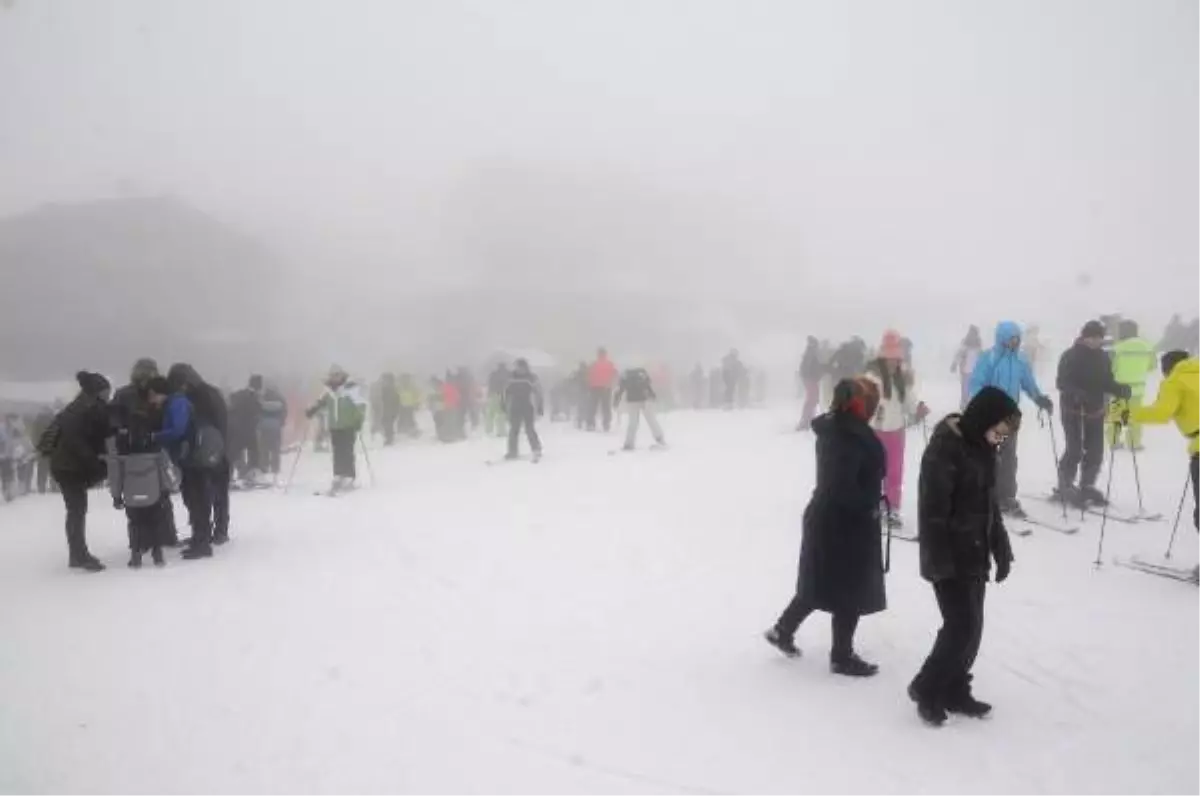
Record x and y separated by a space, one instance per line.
270 449
44 479
343 452
1006 469
519 417
389 426
1084 437
243 455
946 674
74 493
599 403
220 478
844 626
146 527
198 496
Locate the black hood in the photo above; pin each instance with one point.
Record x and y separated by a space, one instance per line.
989 406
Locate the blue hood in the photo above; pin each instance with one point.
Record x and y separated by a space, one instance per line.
1006 331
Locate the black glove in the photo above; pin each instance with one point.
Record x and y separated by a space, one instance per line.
1044 403
1002 568
1124 392
1125 416
118 503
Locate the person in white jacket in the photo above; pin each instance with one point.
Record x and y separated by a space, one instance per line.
898 409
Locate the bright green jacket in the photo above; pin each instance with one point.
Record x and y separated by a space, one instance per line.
1132 361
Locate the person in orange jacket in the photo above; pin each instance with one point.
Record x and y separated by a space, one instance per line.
602 375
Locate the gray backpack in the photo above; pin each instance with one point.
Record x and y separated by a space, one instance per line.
141 479
208 451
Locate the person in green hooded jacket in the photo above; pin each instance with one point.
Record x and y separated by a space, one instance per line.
1133 360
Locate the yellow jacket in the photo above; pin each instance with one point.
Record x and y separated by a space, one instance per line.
1179 400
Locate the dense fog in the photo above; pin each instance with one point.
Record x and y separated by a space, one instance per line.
272 186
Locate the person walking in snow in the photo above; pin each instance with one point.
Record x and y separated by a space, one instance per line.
841 561
1133 361
601 376
1004 366
523 401
495 421
1085 378
733 372
811 371
638 391
1179 400
898 409
960 533
964 363
245 413
345 408
270 430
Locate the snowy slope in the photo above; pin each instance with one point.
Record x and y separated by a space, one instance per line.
587 624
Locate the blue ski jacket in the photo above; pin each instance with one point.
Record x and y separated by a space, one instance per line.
1005 368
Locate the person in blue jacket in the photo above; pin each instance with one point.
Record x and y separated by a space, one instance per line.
1004 366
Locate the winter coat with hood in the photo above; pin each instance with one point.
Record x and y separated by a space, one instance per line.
208 405
1004 368
959 521
602 374
1133 359
523 392
344 405
1179 400
1085 379
79 432
841 557
635 387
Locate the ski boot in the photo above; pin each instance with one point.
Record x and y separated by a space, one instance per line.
784 644
135 559
930 711
156 555
1092 496
659 445
1069 494
1012 507
852 666
536 456
220 538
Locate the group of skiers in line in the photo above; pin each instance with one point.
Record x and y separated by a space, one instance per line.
962 488
21 468
731 385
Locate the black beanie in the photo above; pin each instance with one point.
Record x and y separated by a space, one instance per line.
256 382
92 383
989 406
1171 359
159 386
1092 329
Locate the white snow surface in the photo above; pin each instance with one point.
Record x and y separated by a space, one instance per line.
589 624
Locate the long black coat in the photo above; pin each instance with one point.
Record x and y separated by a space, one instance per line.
841 556
83 426
960 526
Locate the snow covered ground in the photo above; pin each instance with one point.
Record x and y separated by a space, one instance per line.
591 623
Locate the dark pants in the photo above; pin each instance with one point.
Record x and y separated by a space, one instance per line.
146 527
343 453
198 496
75 498
518 417
844 626
1084 437
389 426
243 454
220 498
407 420
44 479
600 403
270 449
8 473
1006 470
946 675
730 393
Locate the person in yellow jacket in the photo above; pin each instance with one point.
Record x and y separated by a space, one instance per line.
1132 362
1179 400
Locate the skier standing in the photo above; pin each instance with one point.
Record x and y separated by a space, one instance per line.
135 416
245 413
195 427
523 402
1004 366
410 402
961 531
75 443
897 410
602 375
811 371
841 563
638 391
733 372
495 419
1132 361
1179 400
270 429
964 362
389 407
1085 377
344 408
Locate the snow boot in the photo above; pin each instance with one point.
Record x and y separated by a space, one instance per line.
968 705
1013 508
197 551
784 644
852 666
930 711
157 556
135 559
1092 496
87 562
220 538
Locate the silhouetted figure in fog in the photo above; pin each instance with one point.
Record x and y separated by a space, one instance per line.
602 376
523 402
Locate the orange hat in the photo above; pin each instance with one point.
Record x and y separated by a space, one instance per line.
892 346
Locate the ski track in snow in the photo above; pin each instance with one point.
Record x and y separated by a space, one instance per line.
589 624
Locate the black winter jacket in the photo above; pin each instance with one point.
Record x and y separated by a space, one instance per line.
82 428
245 410
960 527
635 387
523 394
1084 377
811 368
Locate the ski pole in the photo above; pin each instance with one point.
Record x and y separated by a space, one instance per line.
1178 515
1112 458
925 431
1137 479
1043 417
887 550
367 457
296 460
1083 503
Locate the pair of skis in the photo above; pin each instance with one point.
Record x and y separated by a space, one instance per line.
533 459
1161 570
1098 511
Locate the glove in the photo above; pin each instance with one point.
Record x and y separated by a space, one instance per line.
1002 568
922 411
1125 415
118 503
1124 392
1044 403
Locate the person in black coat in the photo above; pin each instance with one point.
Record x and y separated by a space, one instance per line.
812 370
75 443
244 415
522 402
841 560
1085 379
961 530
205 490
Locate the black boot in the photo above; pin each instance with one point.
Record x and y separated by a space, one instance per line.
784 644
135 559
157 556
197 551
1092 496
930 711
852 666
968 705
87 562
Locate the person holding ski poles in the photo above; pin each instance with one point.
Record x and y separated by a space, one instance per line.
344 408
1005 367
898 409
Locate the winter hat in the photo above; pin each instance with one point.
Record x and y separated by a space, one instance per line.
1092 329
181 375
92 384
1127 329
256 382
337 372
892 346
143 370
158 385
989 406
1171 359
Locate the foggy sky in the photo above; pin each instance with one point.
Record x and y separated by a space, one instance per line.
985 152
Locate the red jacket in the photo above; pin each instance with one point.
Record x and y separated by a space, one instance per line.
602 374
451 398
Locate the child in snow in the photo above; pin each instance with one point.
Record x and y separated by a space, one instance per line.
344 408
897 411
139 475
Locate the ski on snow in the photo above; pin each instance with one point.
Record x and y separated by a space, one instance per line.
1098 511
1161 570
652 448
508 460
1037 522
